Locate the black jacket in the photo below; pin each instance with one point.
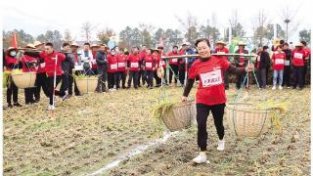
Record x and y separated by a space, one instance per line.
68 63
101 60
265 60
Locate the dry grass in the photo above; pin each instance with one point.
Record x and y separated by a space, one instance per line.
88 132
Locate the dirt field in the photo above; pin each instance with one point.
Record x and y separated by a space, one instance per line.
86 133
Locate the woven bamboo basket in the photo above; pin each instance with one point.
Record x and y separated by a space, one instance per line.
86 85
24 80
179 117
245 120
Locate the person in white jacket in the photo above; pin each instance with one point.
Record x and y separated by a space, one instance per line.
87 59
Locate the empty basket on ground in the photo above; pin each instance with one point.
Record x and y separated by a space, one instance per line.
179 117
24 79
87 84
246 120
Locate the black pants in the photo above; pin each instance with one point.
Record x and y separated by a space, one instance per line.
65 83
112 80
29 95
149 77
121 76
298 77
157 79
102 78
261 74
12 90
181 76
287 74
51 87
203 112
141 75
41 82
240 79
175 70
133 75
71 82
305 70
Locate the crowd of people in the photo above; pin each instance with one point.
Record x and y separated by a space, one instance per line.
120 69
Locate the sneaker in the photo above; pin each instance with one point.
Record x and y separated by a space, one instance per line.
201 158
221 145
280 87
51 107
274 88
66 96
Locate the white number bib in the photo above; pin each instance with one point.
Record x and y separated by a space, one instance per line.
211 78
174 60
148 64
287 62
121 65
134 65
298 56
42 65
113 66
279 61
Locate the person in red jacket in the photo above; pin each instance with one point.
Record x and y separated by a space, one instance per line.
174 65
278 60
41 77
149 66
298 57
133 66
307 61
141 76
162 63
210 94
29 64
121 68
112 70
12 62
241 62
221 49
94 48
53 67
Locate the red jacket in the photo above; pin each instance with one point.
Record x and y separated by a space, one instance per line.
94 64
222 51
149 63
121 62
133 61
112 63
298 56
11 62
307 52
50 66
173 61
278 59
29 64
162 61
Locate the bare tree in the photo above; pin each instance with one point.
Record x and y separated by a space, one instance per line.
105 35
87 31
288 16
261 31
236 27
190 25
67 35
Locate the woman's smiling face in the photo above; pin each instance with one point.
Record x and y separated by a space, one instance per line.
204 50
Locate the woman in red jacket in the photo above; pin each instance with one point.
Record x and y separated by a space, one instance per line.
149 66
133 65
121 68
298 57
174 65
112 70
210 94
29 64
278 60
52 66
12 62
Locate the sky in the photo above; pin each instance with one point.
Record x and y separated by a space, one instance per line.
35 17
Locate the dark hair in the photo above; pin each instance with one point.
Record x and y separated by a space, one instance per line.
87 43
136 47
202 40
126 53
265 47
303 42
286 44
49 44
175 46
281 42
280 46
65 44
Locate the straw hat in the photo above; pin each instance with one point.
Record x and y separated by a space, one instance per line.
74 44
220 42
37 43
94 45
241 43
11 48
31 46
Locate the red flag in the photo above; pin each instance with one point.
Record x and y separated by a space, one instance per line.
14 40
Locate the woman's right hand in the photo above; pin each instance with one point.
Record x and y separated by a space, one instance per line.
184 99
